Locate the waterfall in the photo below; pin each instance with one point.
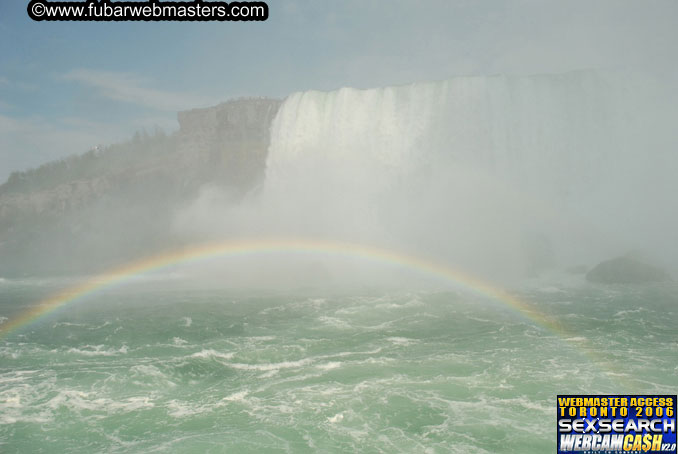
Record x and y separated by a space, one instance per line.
476 169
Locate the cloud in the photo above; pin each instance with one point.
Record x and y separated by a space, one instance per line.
129 88
17 85
29 140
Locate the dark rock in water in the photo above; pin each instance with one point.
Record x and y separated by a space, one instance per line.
626 270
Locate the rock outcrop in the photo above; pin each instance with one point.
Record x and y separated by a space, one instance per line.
626 270
111 205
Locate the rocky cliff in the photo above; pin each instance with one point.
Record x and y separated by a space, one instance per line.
231 139
75 215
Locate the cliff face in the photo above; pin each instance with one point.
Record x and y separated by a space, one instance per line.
92 211
231 139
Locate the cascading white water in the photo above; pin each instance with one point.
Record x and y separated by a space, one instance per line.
475 169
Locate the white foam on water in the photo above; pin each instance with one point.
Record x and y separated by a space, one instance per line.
178 409
309 303
11 402
270 373
149 370
271 366
78 401
57 324
98 350
262 338
17 376
414 302
179 341
329 366
237 396
103 325
374 351
336 418
10 352
629 311
9 417
334 322
403 341
212 354
546 408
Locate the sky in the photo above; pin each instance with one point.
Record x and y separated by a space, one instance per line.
66 87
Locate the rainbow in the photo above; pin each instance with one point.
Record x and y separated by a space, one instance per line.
246 247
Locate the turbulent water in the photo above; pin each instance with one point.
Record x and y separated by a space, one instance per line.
147 368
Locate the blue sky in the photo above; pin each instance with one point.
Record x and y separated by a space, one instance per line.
68 86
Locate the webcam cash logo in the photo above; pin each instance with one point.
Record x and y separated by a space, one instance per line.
616 424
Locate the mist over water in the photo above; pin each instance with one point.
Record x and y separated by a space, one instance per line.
503 176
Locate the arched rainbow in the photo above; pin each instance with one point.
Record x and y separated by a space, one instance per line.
243 247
